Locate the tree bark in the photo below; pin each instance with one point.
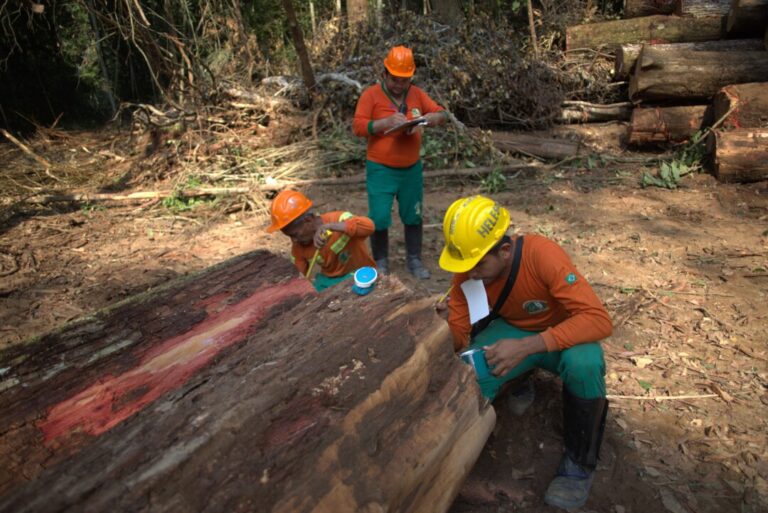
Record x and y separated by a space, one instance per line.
638 8
583 112
536 145
649 29
626 55
747 18
743 105
357 11
739 155
242 389
703 8
690 75
657 125
301 50
448 11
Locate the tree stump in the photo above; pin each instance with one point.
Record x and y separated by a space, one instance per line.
739 155
659 125
626 55
648 29
743 105
242 389
693 76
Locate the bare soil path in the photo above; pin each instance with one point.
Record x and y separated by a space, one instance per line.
684 274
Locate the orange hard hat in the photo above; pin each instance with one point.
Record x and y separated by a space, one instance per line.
399 62
287 207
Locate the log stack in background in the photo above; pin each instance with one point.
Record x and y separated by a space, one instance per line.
241 389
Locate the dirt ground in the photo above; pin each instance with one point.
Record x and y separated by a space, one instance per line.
683 273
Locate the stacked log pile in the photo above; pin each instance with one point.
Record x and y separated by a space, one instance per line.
693 66
224 392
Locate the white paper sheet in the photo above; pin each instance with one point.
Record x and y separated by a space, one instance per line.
477 299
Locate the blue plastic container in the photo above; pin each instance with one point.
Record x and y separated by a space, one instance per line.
476 358
365 280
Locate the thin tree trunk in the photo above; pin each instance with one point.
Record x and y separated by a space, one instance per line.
312 16
532 29
301 50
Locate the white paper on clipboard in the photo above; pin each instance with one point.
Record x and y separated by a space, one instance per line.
477 299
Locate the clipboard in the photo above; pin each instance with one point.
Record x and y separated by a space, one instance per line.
421 120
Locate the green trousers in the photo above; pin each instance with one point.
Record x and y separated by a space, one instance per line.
322 281
384 184
581 367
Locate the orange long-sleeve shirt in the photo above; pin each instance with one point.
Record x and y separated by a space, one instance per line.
549 296
343 253
397 149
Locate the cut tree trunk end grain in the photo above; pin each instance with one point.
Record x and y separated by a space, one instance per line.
649 29
689 75
626 55
739 155
746 105
637 8
747 18
657 125
242 389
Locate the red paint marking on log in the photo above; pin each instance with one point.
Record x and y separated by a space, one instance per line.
113 399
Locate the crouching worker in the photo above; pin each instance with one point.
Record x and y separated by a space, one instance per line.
333 242
543 315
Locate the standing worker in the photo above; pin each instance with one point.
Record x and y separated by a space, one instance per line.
334 242
393 168
544 315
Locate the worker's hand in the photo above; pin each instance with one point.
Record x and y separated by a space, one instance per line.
508 353
435 118
321 236
398 118
418 129
441 307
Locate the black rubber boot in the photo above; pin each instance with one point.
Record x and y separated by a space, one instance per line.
380 250
413 237
583 426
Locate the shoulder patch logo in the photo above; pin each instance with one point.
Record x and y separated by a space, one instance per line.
571 278
535 306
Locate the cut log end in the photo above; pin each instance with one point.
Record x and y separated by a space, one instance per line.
739 155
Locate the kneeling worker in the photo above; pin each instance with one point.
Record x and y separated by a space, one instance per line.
335 241
544 315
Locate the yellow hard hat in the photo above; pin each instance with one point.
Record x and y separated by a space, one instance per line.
472 226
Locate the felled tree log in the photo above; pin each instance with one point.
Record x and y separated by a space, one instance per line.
626 55
648 29
584 112
691 75
703 8
536 145
746 105
655 125
637 8
739 155
241 389
747 18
